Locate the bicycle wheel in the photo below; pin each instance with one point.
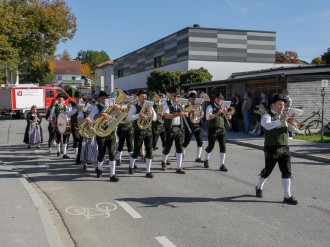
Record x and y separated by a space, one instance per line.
314 127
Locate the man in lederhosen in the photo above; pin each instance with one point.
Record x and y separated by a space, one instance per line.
141 135
72 111
215 114
60 107
276 147
158 129
104 143
173 123
195 129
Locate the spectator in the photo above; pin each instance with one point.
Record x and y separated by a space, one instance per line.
260 110
246 106
238 113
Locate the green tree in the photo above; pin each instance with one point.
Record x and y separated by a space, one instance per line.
326 57
196 75
92 58
164 81
70 90
30 31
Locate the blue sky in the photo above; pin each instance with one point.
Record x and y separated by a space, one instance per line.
122 26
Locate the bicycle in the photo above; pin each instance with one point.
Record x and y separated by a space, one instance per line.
315 126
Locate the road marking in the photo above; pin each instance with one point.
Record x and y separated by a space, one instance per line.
164 241
129 209
101 209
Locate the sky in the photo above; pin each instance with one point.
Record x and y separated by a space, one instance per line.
122 26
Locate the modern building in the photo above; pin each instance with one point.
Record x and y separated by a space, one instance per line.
220 51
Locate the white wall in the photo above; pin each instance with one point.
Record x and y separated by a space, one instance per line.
107 72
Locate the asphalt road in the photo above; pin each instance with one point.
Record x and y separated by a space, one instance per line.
204 207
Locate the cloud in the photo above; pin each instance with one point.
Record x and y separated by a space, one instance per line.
244 9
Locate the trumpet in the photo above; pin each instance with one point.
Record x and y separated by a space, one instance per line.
292 121
228 111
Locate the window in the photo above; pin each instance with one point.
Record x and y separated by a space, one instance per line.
73 78
59 78
159 61
50 93
120 73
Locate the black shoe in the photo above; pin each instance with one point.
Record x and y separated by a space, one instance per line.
223 168
135 166
118 163
155 148
168 163
164 168
38 147
149 175
98 173
199 160
65 156
114 178
206 164
130 170
84 166
58 154
291 201
29 146
258 193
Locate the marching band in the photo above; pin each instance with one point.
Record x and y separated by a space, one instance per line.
140 122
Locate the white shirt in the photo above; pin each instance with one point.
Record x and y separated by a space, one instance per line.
133 116
166 109
95 110
70 110
268 124
52 112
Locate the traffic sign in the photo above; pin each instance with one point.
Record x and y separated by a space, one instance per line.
325 83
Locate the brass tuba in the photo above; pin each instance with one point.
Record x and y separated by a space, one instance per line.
144 123
157 98
103 127
196 116
86 129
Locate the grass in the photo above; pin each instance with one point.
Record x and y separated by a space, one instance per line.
314 138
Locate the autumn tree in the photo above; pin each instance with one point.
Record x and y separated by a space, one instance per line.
326 56
85 70
30 31
65 56
317 60
286 57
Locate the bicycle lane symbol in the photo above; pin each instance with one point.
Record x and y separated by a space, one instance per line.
101 209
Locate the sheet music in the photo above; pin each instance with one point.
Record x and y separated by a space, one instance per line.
109 102
226 104
199 101
182 101
148 103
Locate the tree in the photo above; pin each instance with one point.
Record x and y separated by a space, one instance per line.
286 57
326 57
30 31
196 75
164 81
85 70
317 60
92 58
65 56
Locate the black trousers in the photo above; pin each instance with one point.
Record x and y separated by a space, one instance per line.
280 155
52 134
174 134
125 134
196 130
65 138
104 144
216 134
141 136
158 131
77 140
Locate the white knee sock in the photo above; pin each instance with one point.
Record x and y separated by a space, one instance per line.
100 165
286 182
112 166
148 164
59 147
165 158
261 183
178 160
207 155
119 155
222 158
184 150
131 162
64 148
76 152
199 152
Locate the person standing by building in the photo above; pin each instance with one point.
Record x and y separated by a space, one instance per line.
260 110
246 106
104 143
141 135
216 116
195 129
174 130
276 147
237 115
33 130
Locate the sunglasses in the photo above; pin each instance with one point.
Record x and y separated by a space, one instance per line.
176 96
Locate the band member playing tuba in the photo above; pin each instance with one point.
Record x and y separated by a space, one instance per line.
174 129
107 142
142 116
72 111
195 128
60 107
276 147
216 115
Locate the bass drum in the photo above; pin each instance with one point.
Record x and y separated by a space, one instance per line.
63 123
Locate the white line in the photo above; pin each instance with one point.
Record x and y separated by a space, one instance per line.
129 209
164 241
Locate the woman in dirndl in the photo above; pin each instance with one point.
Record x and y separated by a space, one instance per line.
33 131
